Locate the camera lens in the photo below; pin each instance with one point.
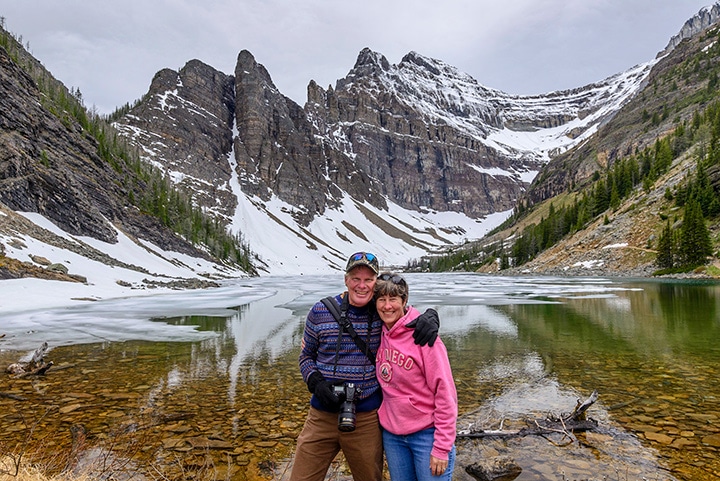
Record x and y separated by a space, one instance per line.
346 418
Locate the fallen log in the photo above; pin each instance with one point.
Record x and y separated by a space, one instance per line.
37 371
35 367
576 421
579 413
541 428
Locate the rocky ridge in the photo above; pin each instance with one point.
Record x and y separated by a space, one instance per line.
420 136
167 128
622 244
51 165
705 17
632 128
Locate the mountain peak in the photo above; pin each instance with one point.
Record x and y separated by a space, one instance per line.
369 59
246 64
707 16
429 64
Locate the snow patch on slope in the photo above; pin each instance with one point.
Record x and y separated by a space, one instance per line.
395 236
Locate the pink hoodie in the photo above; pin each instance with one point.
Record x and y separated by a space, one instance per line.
417 385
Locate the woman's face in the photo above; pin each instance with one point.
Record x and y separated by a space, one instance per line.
390 309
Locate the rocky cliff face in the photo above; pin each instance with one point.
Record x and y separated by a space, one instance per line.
185 127
422 157
419 134
211 131
50 166
279 152
705 17
36 174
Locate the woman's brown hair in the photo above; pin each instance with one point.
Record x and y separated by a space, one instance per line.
391 284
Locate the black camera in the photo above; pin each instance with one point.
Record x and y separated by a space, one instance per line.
350 394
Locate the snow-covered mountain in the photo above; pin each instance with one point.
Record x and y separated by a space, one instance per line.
403 160
400 159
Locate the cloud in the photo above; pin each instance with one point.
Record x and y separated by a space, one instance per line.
111 51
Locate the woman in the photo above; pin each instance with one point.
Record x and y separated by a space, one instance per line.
419 409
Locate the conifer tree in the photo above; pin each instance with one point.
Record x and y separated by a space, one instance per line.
666 248
601 197
663 157
504 261
695 243
704 191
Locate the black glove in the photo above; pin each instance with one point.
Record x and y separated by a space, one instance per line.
426 327
323 390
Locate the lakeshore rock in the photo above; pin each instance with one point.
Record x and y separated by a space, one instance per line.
498 468
712 440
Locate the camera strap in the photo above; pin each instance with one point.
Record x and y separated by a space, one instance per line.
340 315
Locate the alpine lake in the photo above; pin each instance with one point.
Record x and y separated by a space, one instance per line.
205 384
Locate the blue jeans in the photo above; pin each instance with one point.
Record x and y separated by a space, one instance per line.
408 456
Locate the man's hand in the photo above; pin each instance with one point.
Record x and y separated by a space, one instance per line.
323 390
426 327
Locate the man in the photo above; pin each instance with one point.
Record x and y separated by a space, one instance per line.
332 356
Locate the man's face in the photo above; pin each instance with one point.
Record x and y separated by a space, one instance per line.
360 282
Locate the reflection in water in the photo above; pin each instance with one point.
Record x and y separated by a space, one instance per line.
260 330
653 364
689 309
457 320
215 379
525 369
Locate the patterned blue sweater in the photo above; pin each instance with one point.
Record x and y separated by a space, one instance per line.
319 345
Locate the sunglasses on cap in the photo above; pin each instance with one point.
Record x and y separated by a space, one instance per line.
363 259
363 255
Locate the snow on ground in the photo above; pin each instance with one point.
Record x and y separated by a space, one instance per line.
103 281
616 246
588 264
289 249
284 247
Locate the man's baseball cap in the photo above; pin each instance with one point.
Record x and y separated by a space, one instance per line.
362 259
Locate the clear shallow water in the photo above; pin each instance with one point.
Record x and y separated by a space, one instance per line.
215 372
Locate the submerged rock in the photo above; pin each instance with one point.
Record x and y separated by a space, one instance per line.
499 468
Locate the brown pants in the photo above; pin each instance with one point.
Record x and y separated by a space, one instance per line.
320 440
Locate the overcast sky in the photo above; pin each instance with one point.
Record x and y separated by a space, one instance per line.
112 50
